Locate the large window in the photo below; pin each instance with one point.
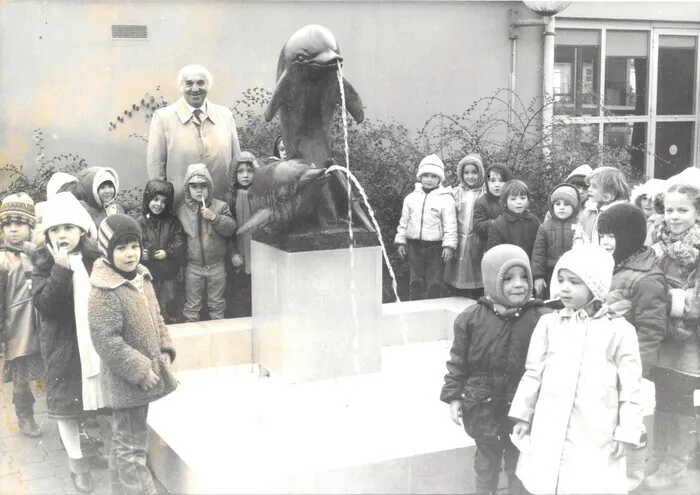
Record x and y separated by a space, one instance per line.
630 86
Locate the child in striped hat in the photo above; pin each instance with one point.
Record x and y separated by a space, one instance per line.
18 326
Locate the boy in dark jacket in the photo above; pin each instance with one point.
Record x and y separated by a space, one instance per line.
515 225
133 342
488 207
555 236
164 244
209 225
487 360
638 279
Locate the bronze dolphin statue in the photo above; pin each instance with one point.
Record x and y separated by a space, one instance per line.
307 93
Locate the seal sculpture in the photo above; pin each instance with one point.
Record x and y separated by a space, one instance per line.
306 96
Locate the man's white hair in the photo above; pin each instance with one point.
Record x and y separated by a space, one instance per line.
193 69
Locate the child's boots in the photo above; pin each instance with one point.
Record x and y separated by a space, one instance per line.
662 421
24 408
681 441
80 475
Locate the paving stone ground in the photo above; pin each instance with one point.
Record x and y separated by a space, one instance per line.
39 466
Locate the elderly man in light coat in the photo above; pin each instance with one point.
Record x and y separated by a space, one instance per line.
192 130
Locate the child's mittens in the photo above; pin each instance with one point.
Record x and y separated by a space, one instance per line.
208 214
677 297
160 255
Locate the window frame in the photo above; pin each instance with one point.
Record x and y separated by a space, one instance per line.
654 30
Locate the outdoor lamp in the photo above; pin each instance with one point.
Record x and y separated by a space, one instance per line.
546 9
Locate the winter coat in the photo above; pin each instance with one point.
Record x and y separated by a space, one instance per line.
90 179
207 242
52 287
486 209
18 323
162 231
510 228
554 238
639 280
464 270
428 217
175 142
129 335
682 356
581 391
486 363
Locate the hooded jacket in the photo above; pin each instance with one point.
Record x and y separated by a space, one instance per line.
90 180
554 238
162 231
464 271
129 335
428 217
207 242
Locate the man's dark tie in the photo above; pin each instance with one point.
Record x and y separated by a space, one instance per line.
196 116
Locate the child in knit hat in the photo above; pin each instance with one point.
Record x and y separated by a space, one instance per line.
515 225
555 236
464 271
487 359
60 286
131 338
18 325
427 231
637 279
580 399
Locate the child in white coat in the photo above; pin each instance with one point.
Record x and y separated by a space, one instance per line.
580 398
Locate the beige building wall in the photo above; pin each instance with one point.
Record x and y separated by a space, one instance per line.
61 71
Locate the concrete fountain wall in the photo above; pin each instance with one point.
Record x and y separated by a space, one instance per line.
351 401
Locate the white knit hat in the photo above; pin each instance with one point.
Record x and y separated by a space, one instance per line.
592 264
63 209
431 164
56 181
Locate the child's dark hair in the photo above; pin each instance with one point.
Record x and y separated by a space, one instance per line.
514 187
128 239
578 181
276 146
612 181
692 192
659 204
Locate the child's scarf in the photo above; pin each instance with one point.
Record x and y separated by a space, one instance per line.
89 359
681 247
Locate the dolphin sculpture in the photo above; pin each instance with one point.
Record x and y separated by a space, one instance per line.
306 96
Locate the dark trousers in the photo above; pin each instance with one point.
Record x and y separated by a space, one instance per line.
128 473
22 396
425 268
238 294
166 293
487 465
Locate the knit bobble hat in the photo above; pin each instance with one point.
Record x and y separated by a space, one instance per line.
431 164
494 265
474 158
589 262
565 192
64 209
17 208
629 226
113 229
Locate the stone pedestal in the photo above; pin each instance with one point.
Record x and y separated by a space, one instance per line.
315 316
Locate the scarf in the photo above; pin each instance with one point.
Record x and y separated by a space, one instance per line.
89 359
242 212
684 248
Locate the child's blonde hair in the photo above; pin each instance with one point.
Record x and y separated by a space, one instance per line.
612 181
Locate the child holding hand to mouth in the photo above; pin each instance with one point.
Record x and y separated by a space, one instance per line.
130 336
580 399
515 225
